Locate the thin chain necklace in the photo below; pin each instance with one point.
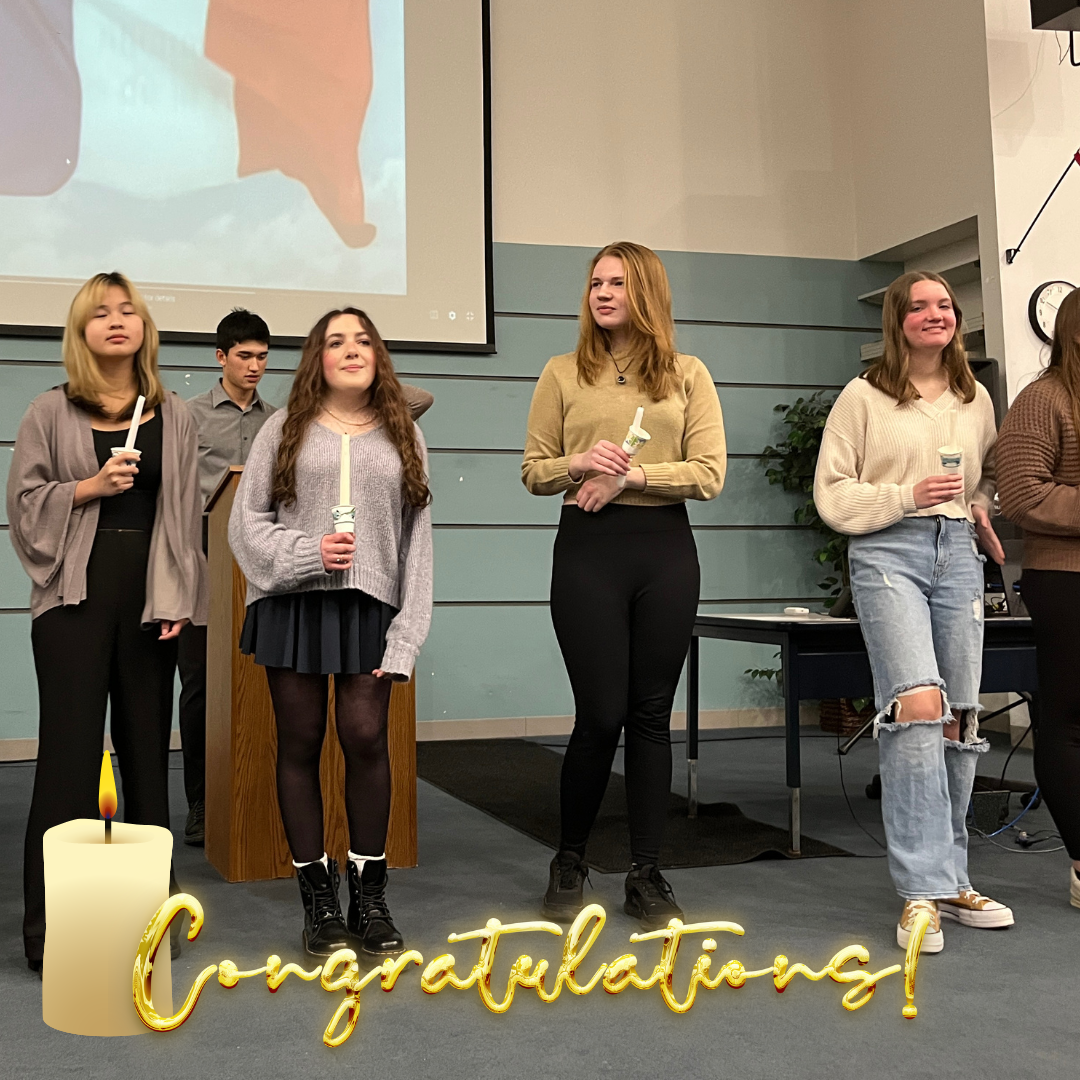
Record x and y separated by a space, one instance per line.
348 423
621 377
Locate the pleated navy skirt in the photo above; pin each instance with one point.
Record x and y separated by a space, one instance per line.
338 632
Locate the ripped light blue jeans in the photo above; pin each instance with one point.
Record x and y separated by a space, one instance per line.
918 591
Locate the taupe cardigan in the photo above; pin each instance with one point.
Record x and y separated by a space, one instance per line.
53 537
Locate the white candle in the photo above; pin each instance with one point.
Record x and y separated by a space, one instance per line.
345 488
136 416
639 416
99 899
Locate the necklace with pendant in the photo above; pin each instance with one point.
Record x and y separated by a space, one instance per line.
620 378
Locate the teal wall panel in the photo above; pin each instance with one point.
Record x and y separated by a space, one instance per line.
505 661
472 415
766 325
18 702
486 489
716 287
5 465
494 565
14 584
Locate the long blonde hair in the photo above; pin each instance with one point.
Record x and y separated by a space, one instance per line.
1064 366
889 373
652 329
85 384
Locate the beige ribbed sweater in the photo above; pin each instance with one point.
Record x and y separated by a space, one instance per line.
686 457
1039 461
874 452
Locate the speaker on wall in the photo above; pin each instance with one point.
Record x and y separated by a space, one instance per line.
1055 14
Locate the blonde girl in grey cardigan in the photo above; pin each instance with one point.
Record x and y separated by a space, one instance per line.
322 602
113 550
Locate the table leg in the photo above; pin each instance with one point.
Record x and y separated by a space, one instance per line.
791 739
692 682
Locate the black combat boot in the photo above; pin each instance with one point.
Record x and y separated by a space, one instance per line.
370 923
324 928
649 897
566 879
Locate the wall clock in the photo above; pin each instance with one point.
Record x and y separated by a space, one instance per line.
1043 307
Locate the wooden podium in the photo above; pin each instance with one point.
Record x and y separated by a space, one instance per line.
245 839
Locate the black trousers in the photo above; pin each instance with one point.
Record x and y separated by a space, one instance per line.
87 656
191 659
1053 598
624 594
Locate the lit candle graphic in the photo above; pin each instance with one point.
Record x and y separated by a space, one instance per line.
100 894
107 794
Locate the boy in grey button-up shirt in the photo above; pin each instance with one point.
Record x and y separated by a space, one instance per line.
228 417
230 414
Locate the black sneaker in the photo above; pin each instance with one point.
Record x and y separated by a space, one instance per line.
650 898
195 826
563 899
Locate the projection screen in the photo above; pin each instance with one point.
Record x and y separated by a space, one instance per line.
287 156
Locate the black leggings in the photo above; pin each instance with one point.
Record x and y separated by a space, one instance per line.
1053 598
88 655
624 594
361 704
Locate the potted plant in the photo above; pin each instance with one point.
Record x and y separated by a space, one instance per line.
791 464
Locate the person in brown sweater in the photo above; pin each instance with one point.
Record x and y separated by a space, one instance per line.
1038 456
625 577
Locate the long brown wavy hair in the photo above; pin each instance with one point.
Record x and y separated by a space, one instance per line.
1064 366
889 373
652 329
305 402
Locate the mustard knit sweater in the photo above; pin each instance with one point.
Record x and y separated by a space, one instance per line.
874 451
685 458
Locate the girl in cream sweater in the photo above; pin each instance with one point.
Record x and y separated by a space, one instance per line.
917 582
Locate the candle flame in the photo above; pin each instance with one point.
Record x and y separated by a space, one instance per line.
107 788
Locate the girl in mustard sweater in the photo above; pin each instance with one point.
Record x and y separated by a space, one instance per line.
917 582
624 582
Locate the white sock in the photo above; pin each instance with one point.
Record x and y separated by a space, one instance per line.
361 859
324 860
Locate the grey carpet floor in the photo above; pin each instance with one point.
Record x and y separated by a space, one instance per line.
991 1005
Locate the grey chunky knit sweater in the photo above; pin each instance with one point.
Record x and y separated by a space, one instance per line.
278 547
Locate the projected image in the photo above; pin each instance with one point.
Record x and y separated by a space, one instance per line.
212 143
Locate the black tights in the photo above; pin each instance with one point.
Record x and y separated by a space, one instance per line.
1053 598
624 594
362 703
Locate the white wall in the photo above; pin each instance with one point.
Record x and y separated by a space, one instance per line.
703 125
1035 106
918 108
921 142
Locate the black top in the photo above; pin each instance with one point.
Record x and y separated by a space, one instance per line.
136 507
